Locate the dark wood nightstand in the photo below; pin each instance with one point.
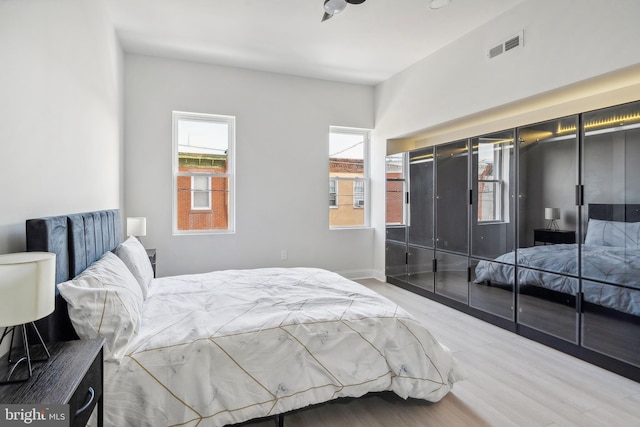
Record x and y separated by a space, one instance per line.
553 236
72 375
151 253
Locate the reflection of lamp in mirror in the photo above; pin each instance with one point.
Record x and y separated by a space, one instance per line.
551 214
27 294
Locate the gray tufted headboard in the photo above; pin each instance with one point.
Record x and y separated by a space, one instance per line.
77 240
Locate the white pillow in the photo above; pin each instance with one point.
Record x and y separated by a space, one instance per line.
135 257
613 233
105 301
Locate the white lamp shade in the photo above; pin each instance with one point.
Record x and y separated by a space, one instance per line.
27 287
551 213
136 226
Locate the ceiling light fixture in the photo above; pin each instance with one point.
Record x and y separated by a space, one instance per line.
333 7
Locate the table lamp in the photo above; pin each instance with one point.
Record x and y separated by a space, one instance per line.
137 226
551 214
27 294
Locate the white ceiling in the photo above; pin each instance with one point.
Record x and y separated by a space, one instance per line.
366 43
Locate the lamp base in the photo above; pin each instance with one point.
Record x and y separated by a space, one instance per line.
21 369
553 225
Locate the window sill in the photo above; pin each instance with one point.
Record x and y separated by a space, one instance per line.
203 232
354 227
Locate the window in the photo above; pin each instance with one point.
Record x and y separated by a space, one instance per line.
333 193
201 187
358 194
348 177
490 183
203 172
396 189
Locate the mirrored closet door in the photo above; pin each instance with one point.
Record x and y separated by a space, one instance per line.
611 230
452 220
493 223
421 216
535 229
396 217
547 258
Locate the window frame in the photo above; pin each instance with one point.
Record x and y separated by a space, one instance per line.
230 121
366 135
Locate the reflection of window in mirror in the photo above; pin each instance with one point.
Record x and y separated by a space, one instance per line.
492 170
395 169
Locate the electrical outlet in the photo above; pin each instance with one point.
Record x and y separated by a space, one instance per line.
283 254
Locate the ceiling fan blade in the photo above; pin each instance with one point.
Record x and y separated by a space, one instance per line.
355 1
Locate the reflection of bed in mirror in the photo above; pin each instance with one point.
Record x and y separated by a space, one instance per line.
609 264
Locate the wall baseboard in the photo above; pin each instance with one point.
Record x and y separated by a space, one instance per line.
361 274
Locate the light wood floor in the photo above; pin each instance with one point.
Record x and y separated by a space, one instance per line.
512 381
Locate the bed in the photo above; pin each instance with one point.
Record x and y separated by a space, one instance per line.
609 263
225 347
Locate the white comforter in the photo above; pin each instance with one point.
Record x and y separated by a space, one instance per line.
225 347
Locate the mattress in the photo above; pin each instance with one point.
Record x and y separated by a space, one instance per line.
224 347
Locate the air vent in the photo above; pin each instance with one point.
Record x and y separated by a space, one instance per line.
509 44
495 51
512 43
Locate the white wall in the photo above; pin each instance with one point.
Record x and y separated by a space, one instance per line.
282 125
564 42
60 113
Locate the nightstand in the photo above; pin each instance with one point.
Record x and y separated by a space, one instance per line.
553 236
151 253
72 375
